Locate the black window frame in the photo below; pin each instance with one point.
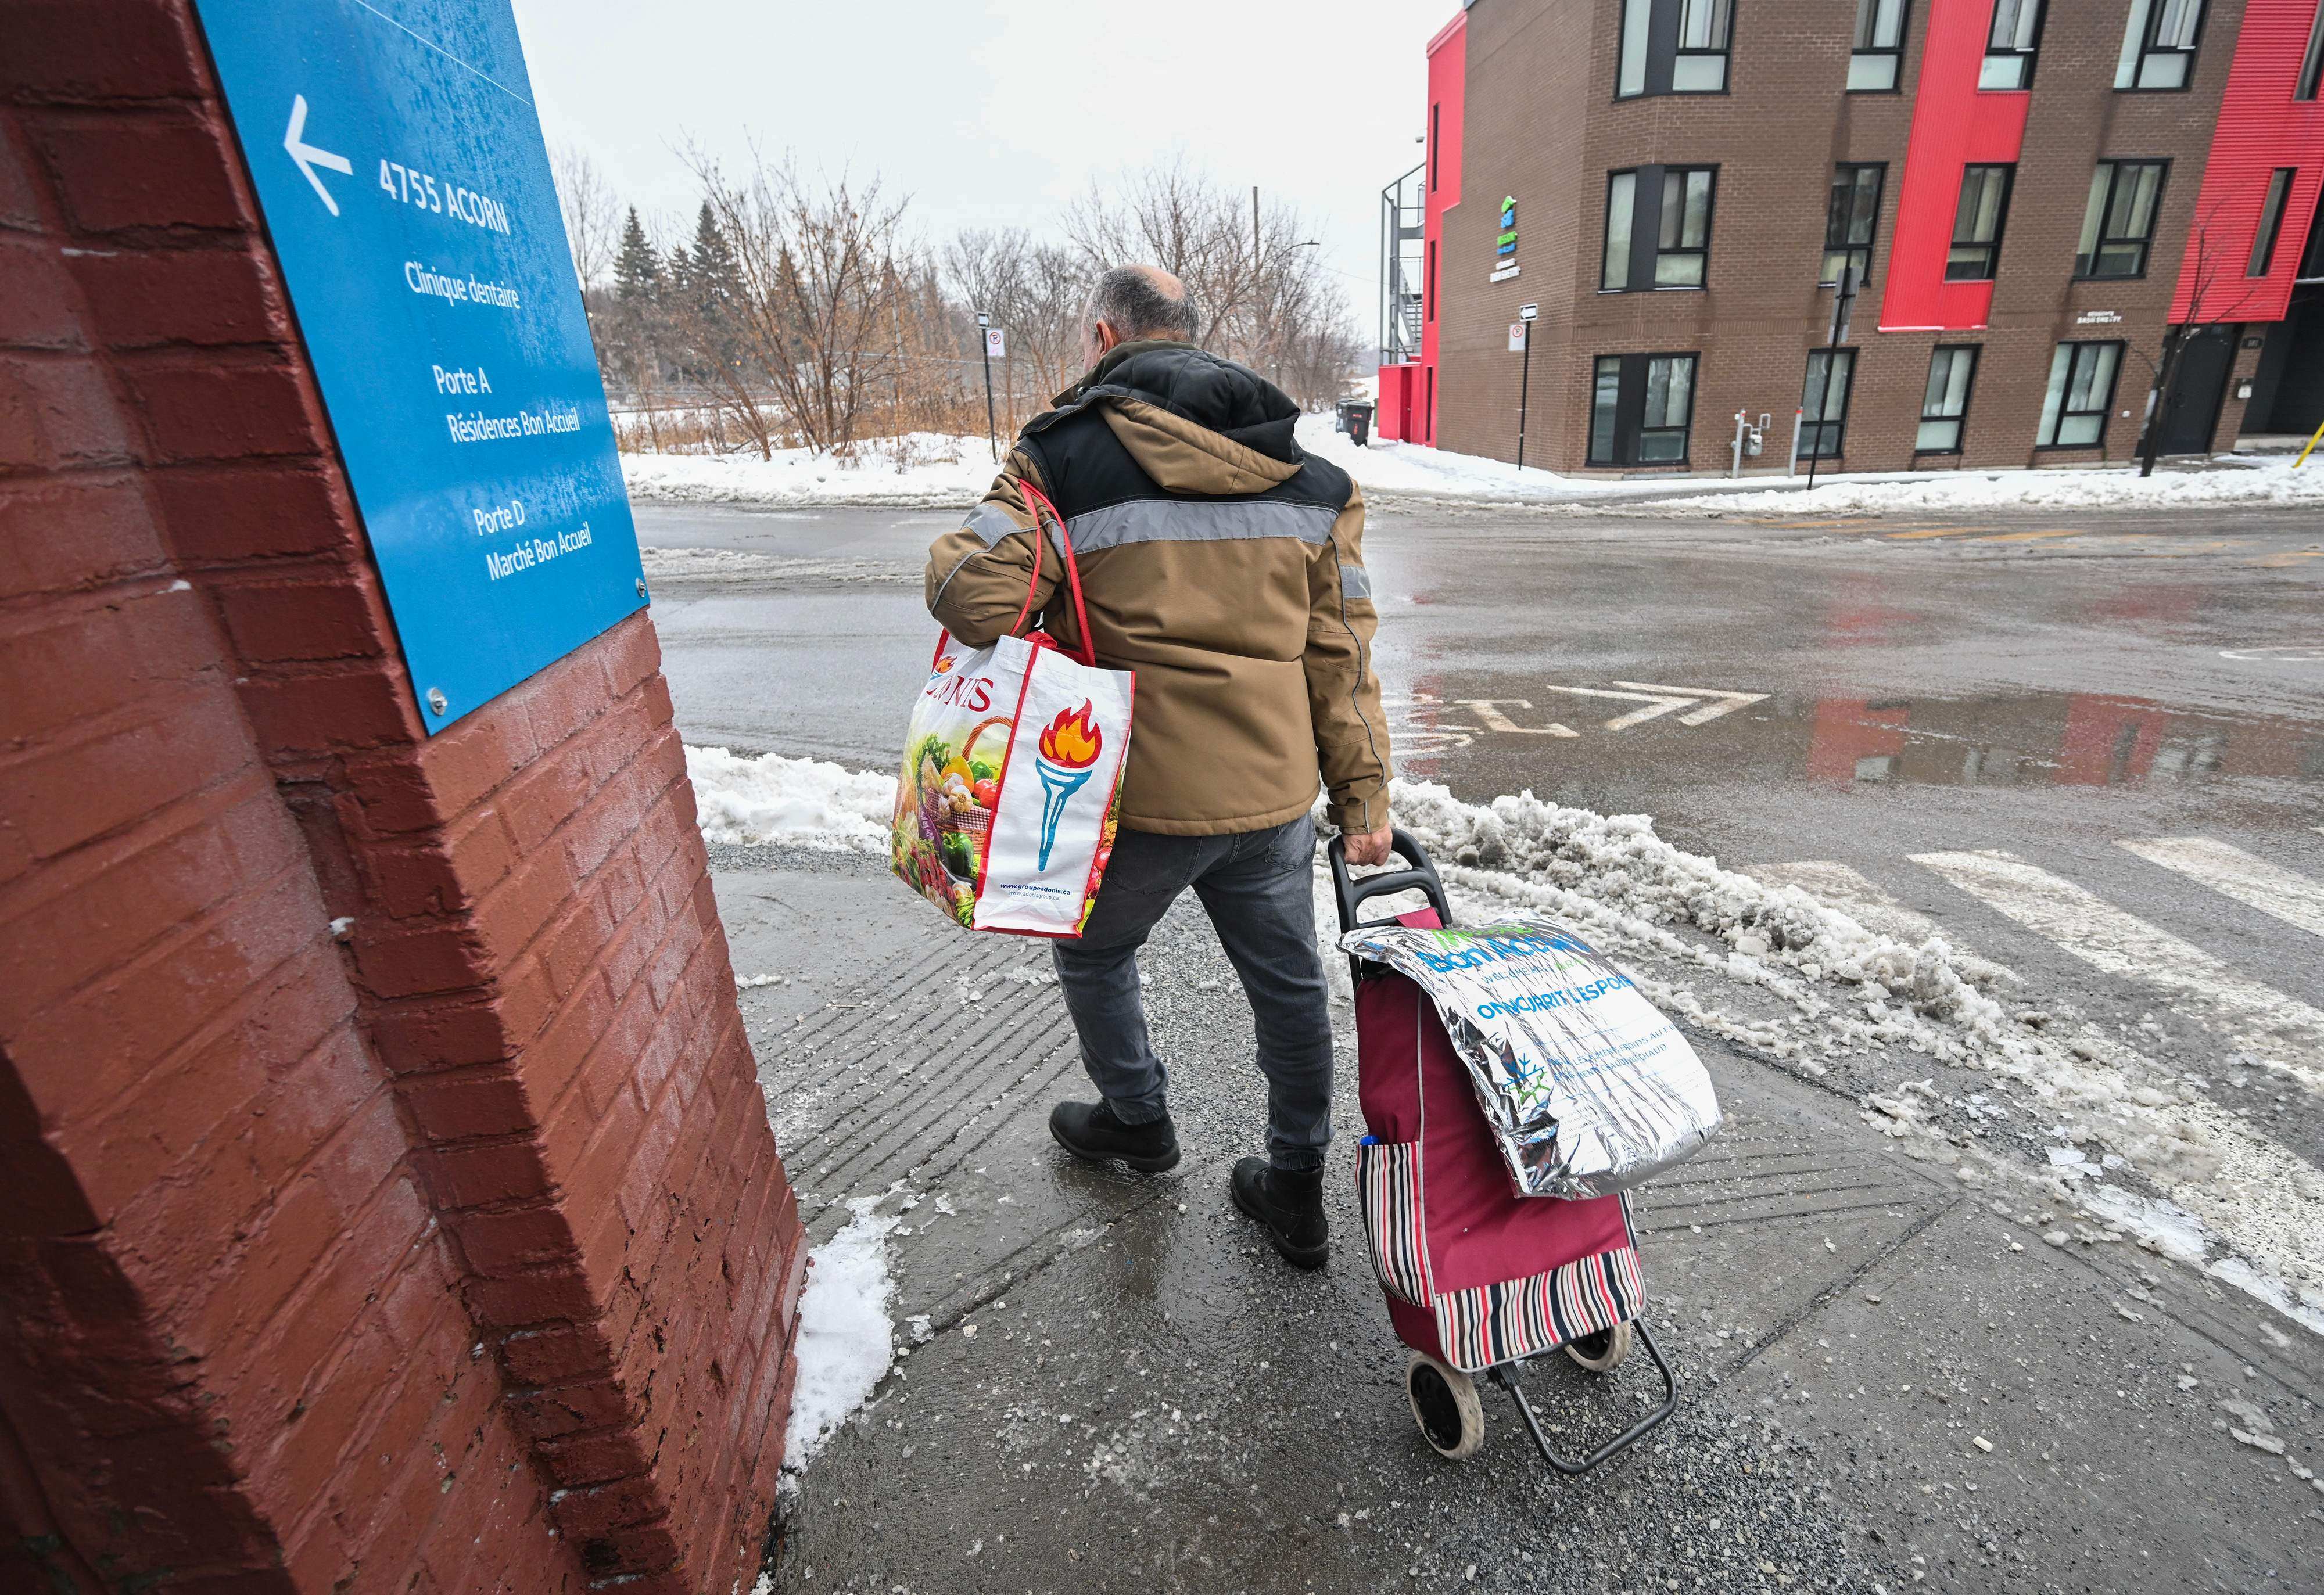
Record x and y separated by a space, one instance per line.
1976 353
1428 282
2105 412
2024 58
2311 65
1436 140
1629 408
1868 21
1664 48
1827 277
2148 50
2270 216
1823 428
1647 213
1992 247
2087 262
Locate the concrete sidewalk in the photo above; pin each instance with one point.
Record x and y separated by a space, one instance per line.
1891 1379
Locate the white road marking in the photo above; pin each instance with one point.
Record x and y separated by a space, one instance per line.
1657 704
1844 888
1709 711
1488 711
2272 890
2105 938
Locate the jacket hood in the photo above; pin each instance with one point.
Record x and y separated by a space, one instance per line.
1193 421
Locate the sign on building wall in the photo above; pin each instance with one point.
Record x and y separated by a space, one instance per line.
1505 246
399 161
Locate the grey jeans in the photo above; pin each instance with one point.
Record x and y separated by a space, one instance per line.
1259 889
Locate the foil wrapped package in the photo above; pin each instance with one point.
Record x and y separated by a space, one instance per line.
1588 1088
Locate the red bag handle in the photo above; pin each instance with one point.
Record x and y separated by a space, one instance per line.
1038 500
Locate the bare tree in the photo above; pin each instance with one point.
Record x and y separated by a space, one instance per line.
2206 275
805 324
1035 292
593 217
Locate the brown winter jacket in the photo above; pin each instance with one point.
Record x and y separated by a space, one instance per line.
1220 564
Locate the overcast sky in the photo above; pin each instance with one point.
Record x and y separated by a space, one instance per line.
999 112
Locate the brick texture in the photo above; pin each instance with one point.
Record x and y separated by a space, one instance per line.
1542 124
387 1200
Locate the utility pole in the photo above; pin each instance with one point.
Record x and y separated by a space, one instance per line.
1843 299
1526 314
991 427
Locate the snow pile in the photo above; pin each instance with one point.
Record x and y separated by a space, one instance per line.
2273 483
801 802
937 470
845 1343
1386 470
1827 986
727 564
1774 969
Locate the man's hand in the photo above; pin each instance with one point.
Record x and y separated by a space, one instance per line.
1369 847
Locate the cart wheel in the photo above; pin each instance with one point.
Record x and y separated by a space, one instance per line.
1445 1405
1603 1352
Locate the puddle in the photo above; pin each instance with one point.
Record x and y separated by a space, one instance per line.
1547 735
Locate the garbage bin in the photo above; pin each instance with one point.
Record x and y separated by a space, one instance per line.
1356 420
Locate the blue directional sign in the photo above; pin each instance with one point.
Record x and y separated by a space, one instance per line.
398 160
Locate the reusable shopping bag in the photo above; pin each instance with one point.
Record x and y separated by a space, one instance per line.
1011 790
1588 1088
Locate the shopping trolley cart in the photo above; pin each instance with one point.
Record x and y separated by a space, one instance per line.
1479 1280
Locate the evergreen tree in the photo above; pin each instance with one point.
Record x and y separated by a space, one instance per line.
712 264
637 269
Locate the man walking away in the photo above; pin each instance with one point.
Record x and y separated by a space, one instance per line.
1225 568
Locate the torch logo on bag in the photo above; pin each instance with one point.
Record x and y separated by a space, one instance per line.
1069 750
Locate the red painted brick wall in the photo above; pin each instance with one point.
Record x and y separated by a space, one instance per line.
386 1195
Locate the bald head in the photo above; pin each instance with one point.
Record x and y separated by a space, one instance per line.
1133 303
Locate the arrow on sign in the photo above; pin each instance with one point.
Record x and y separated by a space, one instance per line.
307 157
1662 700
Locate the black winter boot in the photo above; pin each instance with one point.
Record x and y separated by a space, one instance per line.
1089 1131
1289 1204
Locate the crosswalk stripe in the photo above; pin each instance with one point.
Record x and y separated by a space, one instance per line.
2105 938
1844 888
2272 890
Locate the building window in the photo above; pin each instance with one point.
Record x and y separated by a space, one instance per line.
1977 226
1640 410
1877 62
2311 260
1823 403
1852 219
1657 227
2011 47
1944 406
2311 65
2271 219
2082 392
1429 283
1673 47
2118 228
2158 44
1435 136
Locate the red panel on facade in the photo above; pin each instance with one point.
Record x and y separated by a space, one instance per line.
1448 77
2261 129
1955 124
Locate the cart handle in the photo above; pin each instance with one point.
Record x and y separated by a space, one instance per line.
1352 892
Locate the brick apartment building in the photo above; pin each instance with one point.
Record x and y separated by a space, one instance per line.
2038 201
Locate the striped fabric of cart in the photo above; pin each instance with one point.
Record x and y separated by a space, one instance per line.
1522 1317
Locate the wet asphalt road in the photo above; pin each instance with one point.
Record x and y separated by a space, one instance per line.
2054 685
1892 1381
